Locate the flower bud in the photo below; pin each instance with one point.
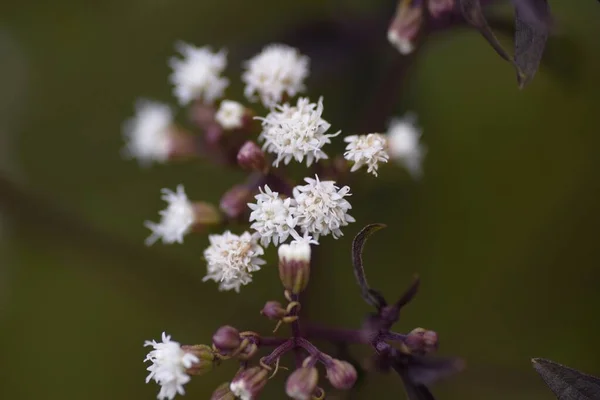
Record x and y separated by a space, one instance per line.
181 144
273 310
294 266
302 383
341 374
248 383
422 341
227 338
250 156
439 7
205 356
234 202
205 214
223 393
405 27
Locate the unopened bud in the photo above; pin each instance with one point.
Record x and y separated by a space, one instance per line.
302 383
234 202
294 266
205 214
273 310
406 25
181 144
422 341
439 7
223 393
250 156
248 383
227 338
341 374
206 358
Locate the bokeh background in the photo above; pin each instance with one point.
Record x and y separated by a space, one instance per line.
503 227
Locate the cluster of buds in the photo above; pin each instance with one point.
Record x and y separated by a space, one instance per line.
290 213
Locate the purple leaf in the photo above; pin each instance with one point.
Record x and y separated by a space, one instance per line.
567 383
532 25
371 296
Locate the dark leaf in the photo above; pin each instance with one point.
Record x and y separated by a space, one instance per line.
473 14
409 294
532 25
567 383
413 390
427 370
371 296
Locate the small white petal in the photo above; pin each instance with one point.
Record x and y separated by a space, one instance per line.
321 207
231 259
198 74
403 144
176 219
169 364
367 150
273 216
147 133
230 114
278 69
296 132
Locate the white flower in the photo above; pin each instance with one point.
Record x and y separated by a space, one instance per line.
230 114
176 219
298 251
296 132
169 363
367 150
198 74
231 259
147 134
403 144
278 69
239 390
321 207
273 216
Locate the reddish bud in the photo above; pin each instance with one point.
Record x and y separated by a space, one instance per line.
250 156
273 310
422 341
341 374
223 393
302 383
227 338
234 202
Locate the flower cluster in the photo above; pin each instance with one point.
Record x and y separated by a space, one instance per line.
269 207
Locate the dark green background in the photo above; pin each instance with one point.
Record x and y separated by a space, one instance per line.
503 228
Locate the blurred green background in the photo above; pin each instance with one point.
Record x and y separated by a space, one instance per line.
502 229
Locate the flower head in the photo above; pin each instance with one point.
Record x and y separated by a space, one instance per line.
278 69
296 132
230 114
321 207
231 259
403 144
367 150
176 220
147 134
273 216
197 75
169 364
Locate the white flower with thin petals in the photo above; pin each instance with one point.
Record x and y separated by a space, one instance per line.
147 134
321 207
169 364
176 220
240 390
198 75
367 150
296 132
278 69
273 217
231 259
403 144
230 114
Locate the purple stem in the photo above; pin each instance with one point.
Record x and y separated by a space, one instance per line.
335 334
393 336
286 346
